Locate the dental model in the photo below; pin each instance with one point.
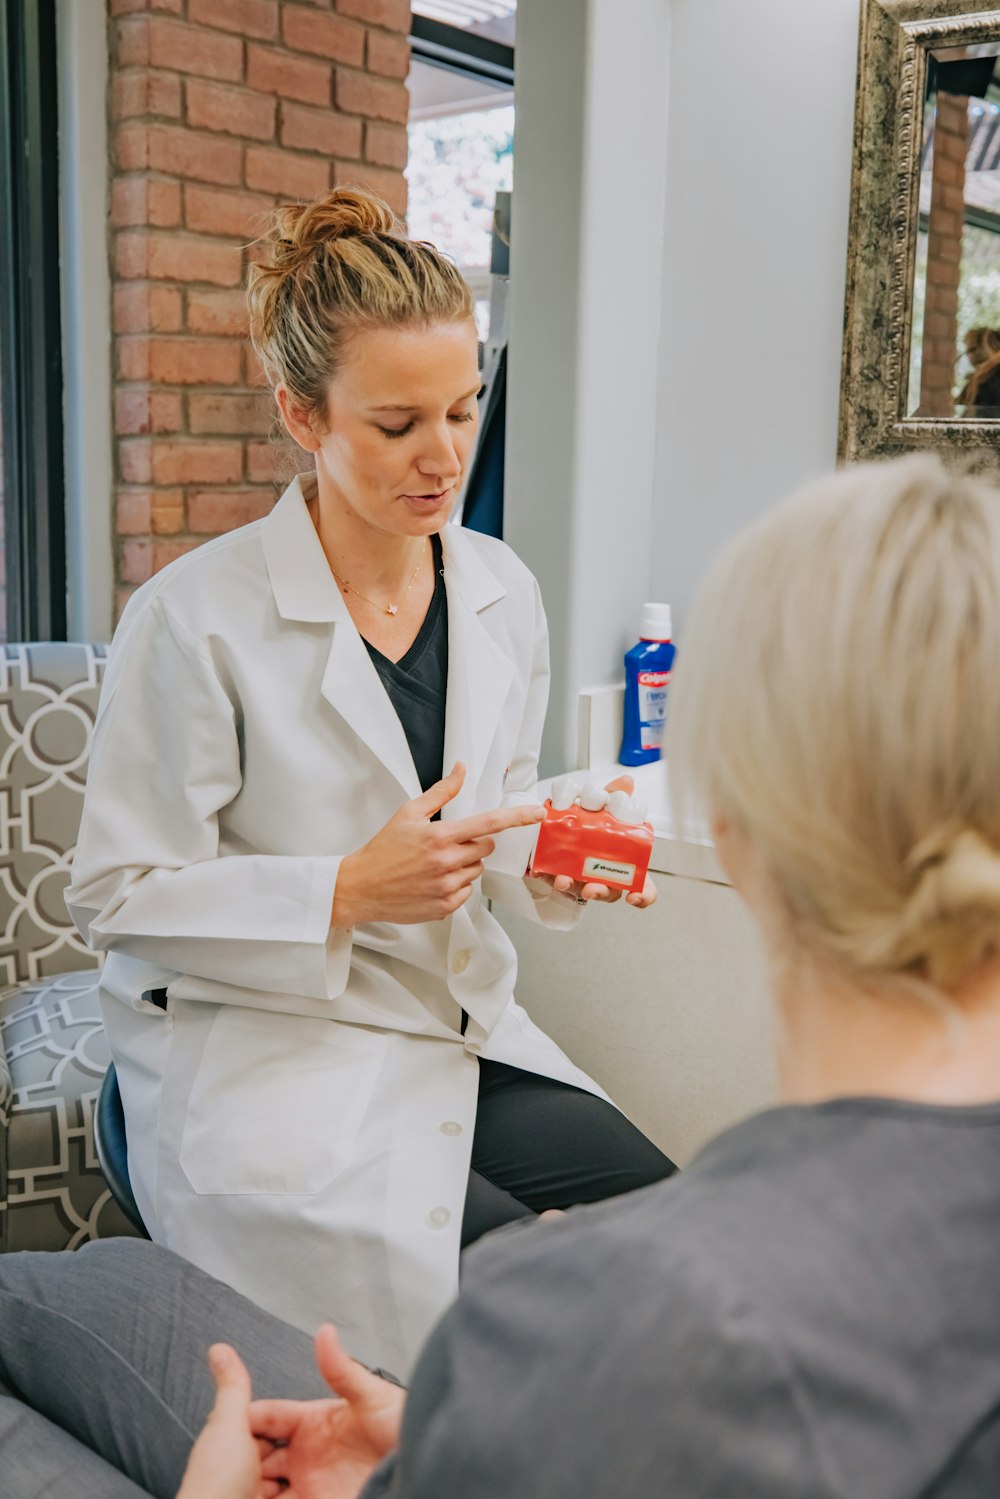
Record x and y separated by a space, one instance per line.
593 835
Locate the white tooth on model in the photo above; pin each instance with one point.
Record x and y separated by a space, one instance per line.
620 806
593 797
640 809
565 790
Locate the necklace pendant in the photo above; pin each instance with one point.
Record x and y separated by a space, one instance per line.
392 608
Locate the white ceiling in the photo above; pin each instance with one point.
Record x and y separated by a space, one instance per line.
476 15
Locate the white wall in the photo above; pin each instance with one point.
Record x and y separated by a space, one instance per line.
639 443
758 180
586 255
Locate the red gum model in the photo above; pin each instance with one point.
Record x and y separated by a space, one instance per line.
593 846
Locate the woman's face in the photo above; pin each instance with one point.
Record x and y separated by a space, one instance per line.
401 421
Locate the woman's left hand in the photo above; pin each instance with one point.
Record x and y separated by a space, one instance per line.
594 891
591 891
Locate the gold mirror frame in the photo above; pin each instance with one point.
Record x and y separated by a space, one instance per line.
896 38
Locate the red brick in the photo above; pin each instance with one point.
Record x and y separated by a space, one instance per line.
290 77
216 312
168 512
133 43
238 415
230 111
268 463
193 49
214 212
188 462
215 511
131 146
379 98
386 145
139 307
138 411
145 201
388 185
165 552
129 94
145 93
273 171
320 130
387 54
393 14
126 7
177 257
185 153
135 458
245 17
323 35
133 357
136 561
132 512
195 361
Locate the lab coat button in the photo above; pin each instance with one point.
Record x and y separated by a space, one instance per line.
438 1218
460 961
474 1046
450 1127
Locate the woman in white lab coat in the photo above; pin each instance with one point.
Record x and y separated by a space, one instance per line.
328 1086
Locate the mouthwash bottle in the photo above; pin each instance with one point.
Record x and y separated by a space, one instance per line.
647 677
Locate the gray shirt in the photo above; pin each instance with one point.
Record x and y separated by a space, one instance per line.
811 1310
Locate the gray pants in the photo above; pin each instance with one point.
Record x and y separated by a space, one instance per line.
104 1382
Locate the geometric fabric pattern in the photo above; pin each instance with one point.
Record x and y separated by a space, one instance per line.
53 1054
48 703
54 1059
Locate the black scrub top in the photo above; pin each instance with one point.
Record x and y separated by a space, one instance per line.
417 683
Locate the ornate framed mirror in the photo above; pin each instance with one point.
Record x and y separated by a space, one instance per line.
921 364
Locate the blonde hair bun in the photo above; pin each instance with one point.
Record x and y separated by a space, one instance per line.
329 268
951 920
305 227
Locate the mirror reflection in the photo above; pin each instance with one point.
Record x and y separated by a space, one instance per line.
955 347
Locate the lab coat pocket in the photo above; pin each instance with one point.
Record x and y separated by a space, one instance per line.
277 1102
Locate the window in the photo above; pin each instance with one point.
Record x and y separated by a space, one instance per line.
33 568
461 130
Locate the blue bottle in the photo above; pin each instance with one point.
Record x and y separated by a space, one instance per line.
647 678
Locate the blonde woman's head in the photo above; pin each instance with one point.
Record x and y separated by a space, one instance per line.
333 268
838 703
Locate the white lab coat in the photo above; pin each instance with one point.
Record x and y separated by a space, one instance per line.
300 1118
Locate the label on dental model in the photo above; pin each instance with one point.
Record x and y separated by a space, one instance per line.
605 869
652 707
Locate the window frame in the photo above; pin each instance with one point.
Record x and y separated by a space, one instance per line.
460 51
31 372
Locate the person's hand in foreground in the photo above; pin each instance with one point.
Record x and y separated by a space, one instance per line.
225 1461
593 890
328 1448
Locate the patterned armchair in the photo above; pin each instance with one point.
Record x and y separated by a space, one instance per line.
53 1055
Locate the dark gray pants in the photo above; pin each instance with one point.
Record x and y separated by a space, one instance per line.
104 1380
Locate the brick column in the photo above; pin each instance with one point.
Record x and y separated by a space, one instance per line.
222 108
944 255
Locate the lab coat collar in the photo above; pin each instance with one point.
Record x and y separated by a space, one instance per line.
479 672
304 588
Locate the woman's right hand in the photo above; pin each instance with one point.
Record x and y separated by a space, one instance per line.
418 870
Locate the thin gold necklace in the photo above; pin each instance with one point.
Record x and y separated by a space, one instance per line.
385 608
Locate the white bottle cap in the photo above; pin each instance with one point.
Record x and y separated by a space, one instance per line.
655 622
